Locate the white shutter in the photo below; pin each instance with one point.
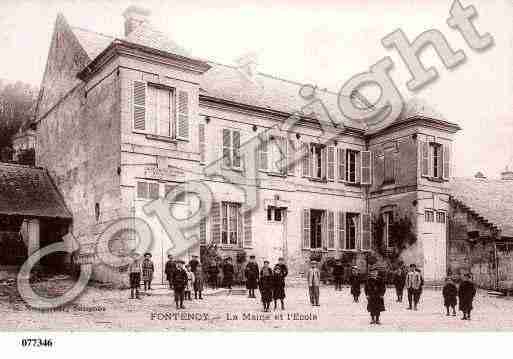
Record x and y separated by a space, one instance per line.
331 230
247 229
291 164
341 226
331 163
227 148
263 152
424 158
202 145
324 162
305 149
203 231
446 162
341 157
182 128
305 227
236 159
139 105
366 231
366 167
358 167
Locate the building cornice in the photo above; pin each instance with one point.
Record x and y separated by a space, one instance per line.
124 48
416 121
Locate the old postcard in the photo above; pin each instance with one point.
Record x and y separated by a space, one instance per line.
256 166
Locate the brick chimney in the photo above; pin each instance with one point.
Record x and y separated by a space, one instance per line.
507 175
134 17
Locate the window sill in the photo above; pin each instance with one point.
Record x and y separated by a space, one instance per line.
388 182
161 138
354 184
275 174
435 179
320 180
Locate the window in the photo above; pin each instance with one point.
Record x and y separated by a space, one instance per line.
277 148
147 190
317 160
274 214
429 216
387 220
351 166
435 160
388 167
352 224
231 149
97 212
440 217
231 223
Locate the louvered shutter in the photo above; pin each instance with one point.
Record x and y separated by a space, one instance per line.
236 159
305 149
331 163
139 105
331 230
366 231
227 148
182 128
215 222
203 231
447 162
291 161
202 146
263 152
240 228
424 158
324 162
305 227
341 157
247 229
341 230
366 167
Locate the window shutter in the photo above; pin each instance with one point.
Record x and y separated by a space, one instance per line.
182 132
152 109
240 229
324 162
366 231
305 230
342 230
139 105
215 221
305 149
263 152
142 190
331 230
447 162
341 157
227 148
331 163
202 148
366 167
358 167
291 164
164 113
236 160
424 157
247 229
203 231
154 190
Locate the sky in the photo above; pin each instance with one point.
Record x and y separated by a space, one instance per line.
322 42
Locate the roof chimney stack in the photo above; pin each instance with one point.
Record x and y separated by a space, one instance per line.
135 16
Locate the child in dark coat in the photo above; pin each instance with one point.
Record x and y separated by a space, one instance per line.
278 286
147 271
179 283
399 283
354 281
198 281
251 273
466 294
375 291
266 286
450 293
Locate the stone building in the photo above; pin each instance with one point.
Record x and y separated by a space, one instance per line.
121 122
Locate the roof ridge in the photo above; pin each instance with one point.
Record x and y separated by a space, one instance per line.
93 32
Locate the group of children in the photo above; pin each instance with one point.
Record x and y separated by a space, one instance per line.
464 293
271 282
185 279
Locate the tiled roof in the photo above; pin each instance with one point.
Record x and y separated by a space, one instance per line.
29 191
93 43
490 198
147 35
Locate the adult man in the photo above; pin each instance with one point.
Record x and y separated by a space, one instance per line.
338 274
252 273
228 272
170 269
314 281
179 283
414 283
193 263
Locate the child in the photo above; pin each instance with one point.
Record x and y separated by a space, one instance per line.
354 280
179 283
251 272
198 281
450 292
134 272
399 283
190 282
375 291
266 286
466 294
314 281
147 271
278 286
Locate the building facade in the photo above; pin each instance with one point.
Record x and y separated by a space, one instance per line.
122 122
